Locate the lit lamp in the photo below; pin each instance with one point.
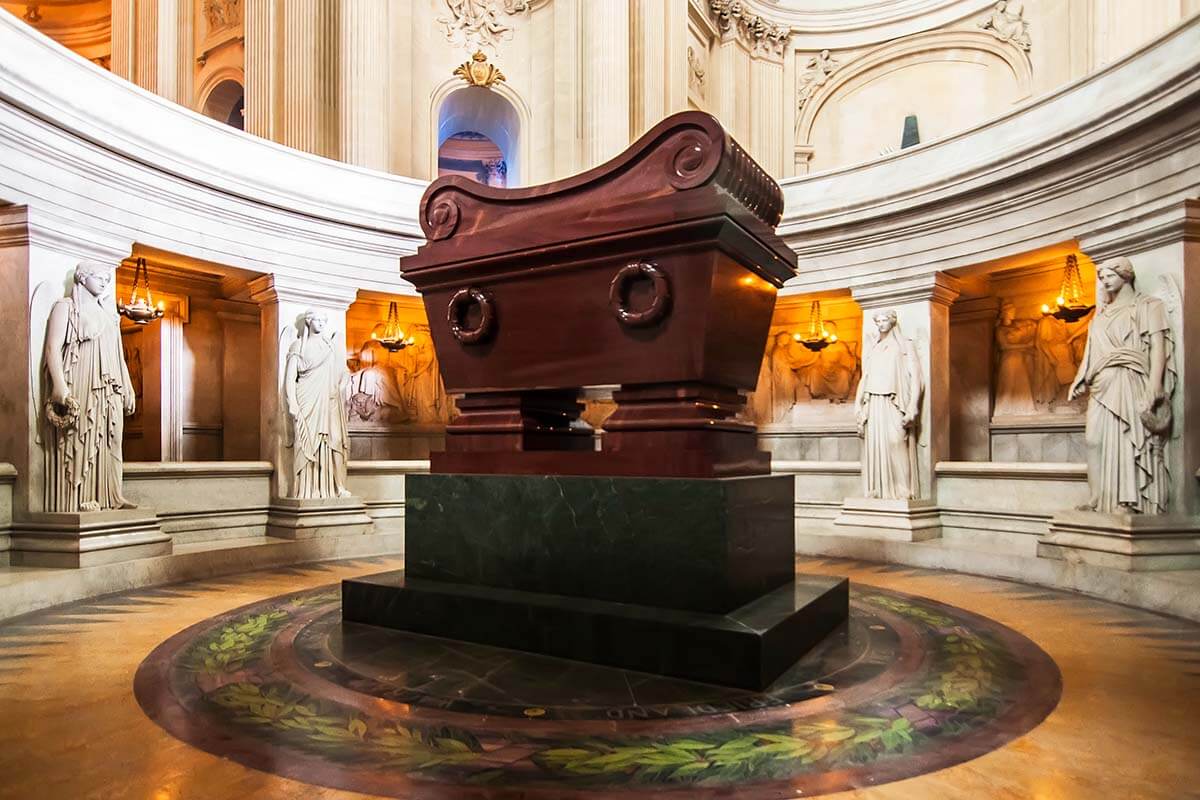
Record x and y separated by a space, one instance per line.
392 339
140 308
1069 306
817 338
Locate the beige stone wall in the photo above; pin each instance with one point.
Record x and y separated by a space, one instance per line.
586 77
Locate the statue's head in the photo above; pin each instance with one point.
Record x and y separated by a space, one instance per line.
95 276
885 320
1008 312
316 321
1114 274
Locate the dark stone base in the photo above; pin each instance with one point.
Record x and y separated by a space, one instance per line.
748 647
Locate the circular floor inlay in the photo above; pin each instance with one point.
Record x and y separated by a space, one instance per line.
908 686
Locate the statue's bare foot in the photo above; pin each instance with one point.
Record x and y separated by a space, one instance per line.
125 504
1085 507
90 505
344 493
1129 508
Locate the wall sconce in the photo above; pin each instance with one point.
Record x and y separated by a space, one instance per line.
141 308
817 338
1069 306
393 339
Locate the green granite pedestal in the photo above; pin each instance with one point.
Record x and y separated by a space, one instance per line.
686 577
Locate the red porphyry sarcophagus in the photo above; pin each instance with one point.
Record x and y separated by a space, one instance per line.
656 271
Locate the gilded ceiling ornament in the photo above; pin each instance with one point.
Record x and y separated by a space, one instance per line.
477 72
762 33
481 23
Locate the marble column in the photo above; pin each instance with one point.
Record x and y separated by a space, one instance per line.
282 302
362 85
262 70
38 256
176 50
162 381
1164 248
308 119
606 107
922 306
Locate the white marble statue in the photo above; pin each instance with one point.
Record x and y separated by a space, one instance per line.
1127 371
1007 23
89 393
1015 341
315 379
888 404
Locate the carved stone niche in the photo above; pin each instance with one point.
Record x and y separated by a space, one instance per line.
531 295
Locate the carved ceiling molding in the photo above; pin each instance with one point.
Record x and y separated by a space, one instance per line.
932 42
838 25
222 14
762 34
480 24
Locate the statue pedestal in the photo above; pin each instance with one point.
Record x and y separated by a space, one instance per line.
1132 542
687 577
88 538
897 520
291 518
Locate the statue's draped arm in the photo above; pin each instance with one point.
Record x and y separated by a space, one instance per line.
56 334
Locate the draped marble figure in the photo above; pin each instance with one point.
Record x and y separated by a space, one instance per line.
89 394
1127 371
315 380
887 405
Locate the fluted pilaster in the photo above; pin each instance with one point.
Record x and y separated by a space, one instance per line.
768 124
309 107
606 128
123 37
262 77
362 91
145 47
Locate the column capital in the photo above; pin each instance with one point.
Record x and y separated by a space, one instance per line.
287 289
1178 222
933 287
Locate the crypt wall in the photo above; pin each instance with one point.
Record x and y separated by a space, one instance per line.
944 233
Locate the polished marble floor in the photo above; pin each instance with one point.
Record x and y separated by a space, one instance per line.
942 686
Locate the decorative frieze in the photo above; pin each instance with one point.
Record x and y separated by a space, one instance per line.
762 34
481 23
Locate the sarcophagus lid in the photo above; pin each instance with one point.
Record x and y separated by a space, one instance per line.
658 268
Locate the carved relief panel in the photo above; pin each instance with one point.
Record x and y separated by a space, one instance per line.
809 383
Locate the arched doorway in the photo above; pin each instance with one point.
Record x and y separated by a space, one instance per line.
478 136
225 103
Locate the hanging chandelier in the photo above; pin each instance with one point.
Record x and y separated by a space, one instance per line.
141 308
1070 305
817 338
393 339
